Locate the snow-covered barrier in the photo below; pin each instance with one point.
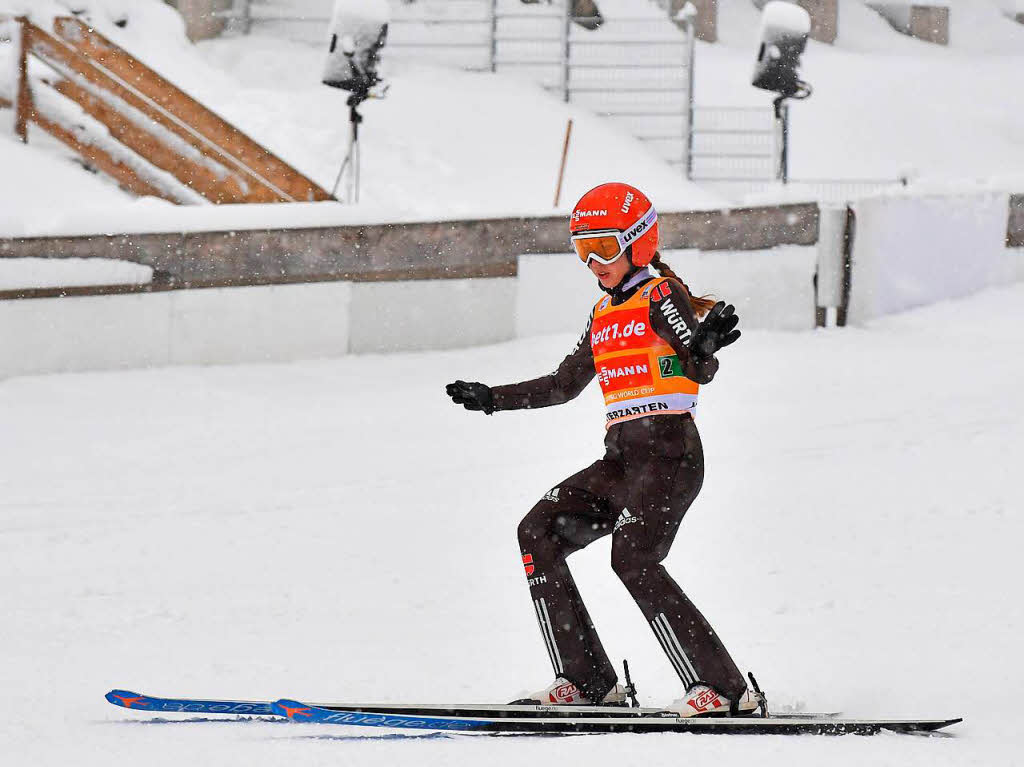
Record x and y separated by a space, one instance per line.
772 289
268 323
241 296
912 251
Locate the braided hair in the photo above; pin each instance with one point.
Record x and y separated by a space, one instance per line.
701 305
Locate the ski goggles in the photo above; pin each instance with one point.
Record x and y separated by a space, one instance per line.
606 245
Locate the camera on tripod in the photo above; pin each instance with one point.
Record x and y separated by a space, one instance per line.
785 28
358 32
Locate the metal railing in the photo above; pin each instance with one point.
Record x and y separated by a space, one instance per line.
737 151
733 144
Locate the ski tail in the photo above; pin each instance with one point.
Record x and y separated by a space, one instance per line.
128 699
139 702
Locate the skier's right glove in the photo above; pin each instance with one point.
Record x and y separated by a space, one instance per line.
715 331
472 396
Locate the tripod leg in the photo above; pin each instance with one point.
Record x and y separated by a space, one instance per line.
351 157
337 181
354 194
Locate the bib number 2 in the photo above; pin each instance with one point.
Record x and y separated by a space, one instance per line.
670 366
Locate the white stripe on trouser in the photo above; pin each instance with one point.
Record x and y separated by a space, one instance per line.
676 661
673 640
549 635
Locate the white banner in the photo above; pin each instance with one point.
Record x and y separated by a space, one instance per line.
913 251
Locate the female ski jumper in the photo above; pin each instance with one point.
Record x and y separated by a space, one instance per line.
640 343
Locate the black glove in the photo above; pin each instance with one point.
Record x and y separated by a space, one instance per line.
715 331
472 396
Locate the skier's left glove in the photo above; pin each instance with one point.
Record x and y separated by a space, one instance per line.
716 331
472 396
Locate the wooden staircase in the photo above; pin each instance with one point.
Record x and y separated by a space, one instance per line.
161 141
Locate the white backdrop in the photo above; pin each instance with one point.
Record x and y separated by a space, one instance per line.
913 251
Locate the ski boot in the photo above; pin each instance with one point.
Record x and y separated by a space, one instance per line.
704 700
562 692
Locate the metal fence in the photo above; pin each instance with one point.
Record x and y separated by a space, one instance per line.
741 151
636 71
734 144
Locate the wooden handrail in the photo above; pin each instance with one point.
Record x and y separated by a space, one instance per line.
209 125
71 64
124 174
198 176
151 118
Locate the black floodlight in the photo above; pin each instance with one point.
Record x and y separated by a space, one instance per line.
784 30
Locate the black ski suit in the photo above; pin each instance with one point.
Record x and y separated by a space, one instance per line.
651 472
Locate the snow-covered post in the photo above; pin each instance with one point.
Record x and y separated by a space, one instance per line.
203 18
782 139
494 35
6 72
23 95
831 275
566 51
243 14
784 30
688 16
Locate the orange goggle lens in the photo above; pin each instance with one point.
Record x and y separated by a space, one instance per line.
604 247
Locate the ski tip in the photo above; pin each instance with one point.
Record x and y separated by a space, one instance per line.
127 699
293 710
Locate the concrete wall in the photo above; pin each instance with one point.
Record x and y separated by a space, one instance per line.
389 252
824 19
930 23
706 26
925 22
201 19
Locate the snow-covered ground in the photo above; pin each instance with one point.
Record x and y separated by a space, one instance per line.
337 530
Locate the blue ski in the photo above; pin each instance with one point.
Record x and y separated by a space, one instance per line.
750 725
490 718
300 712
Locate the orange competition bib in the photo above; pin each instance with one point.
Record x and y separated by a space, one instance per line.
639 372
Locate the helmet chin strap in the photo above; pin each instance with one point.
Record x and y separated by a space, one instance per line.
628 281
633 270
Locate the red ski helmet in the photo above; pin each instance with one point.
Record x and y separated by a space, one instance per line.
612 218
